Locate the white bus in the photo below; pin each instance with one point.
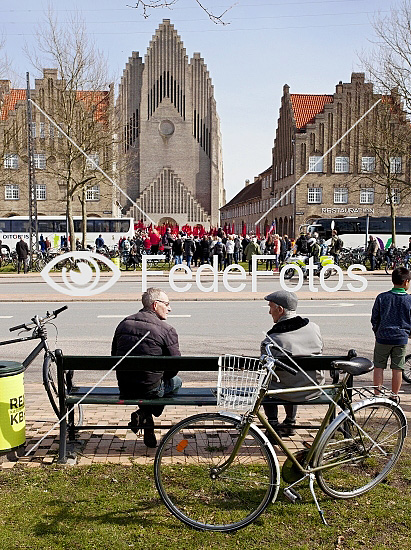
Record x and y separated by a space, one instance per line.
353 230
55 227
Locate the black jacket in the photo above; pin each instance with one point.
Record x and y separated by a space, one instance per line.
162 340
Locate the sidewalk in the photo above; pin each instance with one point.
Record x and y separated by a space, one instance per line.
120 446
195 294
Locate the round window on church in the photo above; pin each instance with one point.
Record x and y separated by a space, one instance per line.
166 128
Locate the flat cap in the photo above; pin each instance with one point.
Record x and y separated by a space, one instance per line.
288 300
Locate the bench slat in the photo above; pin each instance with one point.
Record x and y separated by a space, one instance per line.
185 396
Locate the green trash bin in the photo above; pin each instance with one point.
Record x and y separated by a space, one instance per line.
12 410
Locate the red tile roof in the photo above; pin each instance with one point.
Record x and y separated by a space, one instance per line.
9 102
306 107
98 99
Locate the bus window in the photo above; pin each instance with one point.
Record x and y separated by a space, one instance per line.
20 226
90 226
403 226
60 226
78 226
45 226
101 226
5 226
380 225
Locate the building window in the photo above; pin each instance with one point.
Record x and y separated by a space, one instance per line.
395 165
39 161
340 195
315 164
92 161
292 195
315 195
51 131
395 196
93 193
11 160
33 129
367 195
12 192
342 165
41 192
368 164
42 130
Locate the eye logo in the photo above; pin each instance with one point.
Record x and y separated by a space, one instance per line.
81 274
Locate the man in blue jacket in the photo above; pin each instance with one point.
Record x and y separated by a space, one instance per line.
391 323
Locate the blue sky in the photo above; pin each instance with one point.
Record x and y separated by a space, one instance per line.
309 44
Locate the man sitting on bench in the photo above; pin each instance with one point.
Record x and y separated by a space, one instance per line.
162 340
297 336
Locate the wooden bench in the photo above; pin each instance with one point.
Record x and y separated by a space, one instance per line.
71 394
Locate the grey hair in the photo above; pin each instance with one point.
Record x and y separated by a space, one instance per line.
150 296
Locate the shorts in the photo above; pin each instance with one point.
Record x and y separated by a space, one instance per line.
383 351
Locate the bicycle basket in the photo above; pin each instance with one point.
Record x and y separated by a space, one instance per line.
239 381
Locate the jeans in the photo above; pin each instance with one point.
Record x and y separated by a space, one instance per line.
178 259
189 258
166 387
24 262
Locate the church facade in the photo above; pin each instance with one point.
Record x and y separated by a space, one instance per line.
170 158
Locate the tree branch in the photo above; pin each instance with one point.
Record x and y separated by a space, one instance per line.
148 5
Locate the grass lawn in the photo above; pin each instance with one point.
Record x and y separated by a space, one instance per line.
117 507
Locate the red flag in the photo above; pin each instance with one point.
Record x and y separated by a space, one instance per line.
258 232
244 232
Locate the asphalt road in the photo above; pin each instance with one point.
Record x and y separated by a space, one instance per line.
204 328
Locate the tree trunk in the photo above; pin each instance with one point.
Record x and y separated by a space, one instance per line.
71 223
84 218
393 217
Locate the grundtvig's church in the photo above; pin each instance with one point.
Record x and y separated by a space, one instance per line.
171 143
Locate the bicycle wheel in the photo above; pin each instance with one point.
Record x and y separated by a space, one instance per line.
206 500
51 386
355 463
406 373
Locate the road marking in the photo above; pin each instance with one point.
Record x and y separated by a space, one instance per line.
340 314
125 315
6 316
325 305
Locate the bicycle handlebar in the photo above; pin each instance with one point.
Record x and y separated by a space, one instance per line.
276 361
39 321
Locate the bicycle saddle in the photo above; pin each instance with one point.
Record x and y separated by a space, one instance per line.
355 366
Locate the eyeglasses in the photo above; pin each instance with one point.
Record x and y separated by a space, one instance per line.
165 303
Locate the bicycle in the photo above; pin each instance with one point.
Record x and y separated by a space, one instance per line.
219 471
406 373
49 369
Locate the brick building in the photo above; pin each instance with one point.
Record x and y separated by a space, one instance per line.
244 210
50 150
170 137
350 181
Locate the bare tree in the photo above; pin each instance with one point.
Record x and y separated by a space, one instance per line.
386 141
148 5
80 104
389 62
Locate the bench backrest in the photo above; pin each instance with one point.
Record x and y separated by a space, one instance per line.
183 363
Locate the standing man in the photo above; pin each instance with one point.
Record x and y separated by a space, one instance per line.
336 245
189 249
22 254
297 336
162 340
391 323
372 250
252 248
99 242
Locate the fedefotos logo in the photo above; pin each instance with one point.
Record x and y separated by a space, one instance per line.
81 269
235 273
81 275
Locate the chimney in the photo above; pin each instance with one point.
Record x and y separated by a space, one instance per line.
50 73
247 182
5 86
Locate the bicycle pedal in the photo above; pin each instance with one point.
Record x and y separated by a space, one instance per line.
292 495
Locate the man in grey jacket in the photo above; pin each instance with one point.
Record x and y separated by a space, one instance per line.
296 336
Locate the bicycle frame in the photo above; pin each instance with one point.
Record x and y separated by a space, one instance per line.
42 345
304 468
